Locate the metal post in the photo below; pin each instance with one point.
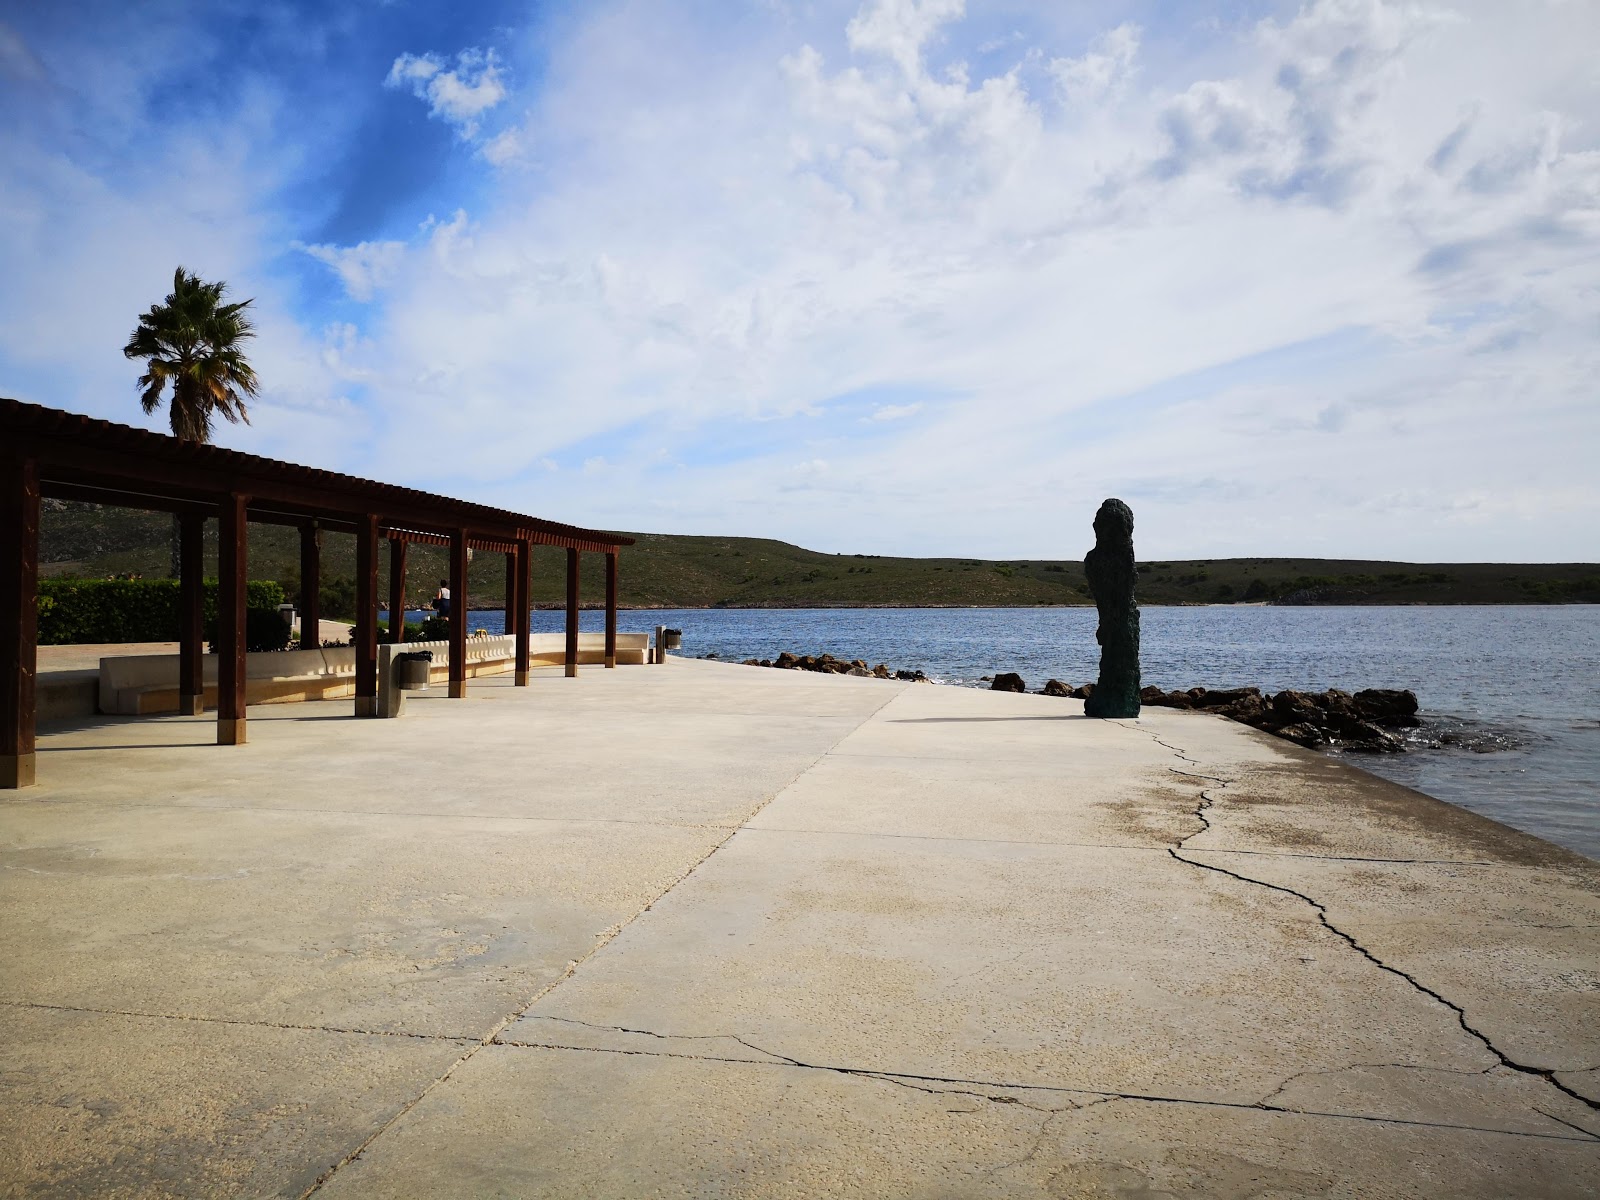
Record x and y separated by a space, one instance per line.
524 621
191 614
458 614
366 631
397 590
611 609
572 612
310 587
19 620
232 559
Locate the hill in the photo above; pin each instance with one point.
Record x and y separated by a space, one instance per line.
680 571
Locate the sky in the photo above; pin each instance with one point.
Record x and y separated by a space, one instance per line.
879 276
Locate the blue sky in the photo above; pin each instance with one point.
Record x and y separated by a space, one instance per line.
891 276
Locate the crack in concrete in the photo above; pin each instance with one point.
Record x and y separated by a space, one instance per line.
1504 1060
162 1016
918 1082
604 939
1312 1071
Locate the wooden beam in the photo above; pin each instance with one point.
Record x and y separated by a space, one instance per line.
572 612
310 587
397 591
233 552
458 615
524 620
611 609
366 630
191 614
19 619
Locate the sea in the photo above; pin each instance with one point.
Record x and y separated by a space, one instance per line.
1510 694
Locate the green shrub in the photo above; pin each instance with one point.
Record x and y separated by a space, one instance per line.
129 610
265 630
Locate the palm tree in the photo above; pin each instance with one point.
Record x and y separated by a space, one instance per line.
193 341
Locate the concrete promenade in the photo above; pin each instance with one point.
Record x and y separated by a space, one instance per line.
707 930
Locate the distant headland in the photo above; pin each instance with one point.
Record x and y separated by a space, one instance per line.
681 571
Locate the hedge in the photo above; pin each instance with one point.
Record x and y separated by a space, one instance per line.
128 610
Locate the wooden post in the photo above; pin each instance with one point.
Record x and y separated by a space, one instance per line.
19 619
524 621
310 587
611 609
232 563
366 632
397 590
572 612
191 614
511 592
458 614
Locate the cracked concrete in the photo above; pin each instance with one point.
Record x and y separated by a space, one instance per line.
719 931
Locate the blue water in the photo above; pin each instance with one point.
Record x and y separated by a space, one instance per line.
1517 689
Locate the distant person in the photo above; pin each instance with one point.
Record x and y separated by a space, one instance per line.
441 598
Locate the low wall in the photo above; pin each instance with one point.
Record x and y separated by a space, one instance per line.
139 684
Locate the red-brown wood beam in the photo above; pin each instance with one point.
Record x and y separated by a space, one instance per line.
232 556
19 619
191 614
366 631
611 610
458 615
572 612
511 590
310 587
524 621
397 591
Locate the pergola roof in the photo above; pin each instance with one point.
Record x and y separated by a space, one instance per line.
81 458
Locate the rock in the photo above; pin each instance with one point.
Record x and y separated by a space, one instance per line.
1215 698
1083 691
1056 688
1305 734
859 672
1110 571
881 671
1295 708
1008 681
911 676
1396 707
1248 710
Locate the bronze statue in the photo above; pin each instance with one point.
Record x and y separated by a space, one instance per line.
1109 567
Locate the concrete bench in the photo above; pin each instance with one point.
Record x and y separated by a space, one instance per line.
495 655
135 684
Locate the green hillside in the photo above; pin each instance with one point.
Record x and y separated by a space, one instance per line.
673 571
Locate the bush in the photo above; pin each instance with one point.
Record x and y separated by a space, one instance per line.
265 630
129 610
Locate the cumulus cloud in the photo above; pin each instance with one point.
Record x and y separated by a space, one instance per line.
458 95
364 268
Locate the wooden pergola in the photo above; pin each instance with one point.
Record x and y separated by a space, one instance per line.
45 452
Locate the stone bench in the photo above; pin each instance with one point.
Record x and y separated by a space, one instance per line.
497 654
136 684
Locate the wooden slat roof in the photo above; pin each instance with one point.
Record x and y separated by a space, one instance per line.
81 458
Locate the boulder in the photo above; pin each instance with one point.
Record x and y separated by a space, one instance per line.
859 672
881 671
1056 688
1395 707
1008 681
1302 733
1214 698
911 676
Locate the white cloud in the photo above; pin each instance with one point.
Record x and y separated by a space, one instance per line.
895 412
458 96
364 268
1104 69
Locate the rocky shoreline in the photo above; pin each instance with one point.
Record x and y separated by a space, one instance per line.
1361 721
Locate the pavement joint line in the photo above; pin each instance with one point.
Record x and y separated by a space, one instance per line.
1160 849
1505 1060
604 940
161 1016
378 812
912 1080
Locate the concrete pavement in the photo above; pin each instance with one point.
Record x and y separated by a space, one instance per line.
717 930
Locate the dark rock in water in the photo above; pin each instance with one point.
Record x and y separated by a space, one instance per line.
1249 710
1304 733
1110 571
859 672
1083 691
911 676
1395 707
1215 698
881 671
1008 681
1056 688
